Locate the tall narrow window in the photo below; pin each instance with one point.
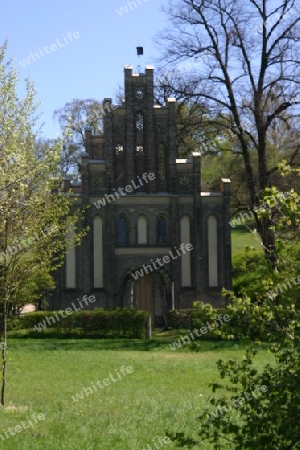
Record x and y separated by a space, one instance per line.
122 231
119 149
161 162
161 231
71 261
185 235
139 132
98 252
212 251
119 165
142 230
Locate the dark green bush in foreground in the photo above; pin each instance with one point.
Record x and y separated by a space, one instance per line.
129 323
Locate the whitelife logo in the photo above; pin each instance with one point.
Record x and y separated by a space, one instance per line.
27 242
283 287
68 311
165 260
244 217
132 5
101 384
129 188
47 50
158 443
18 428
199 332
237 403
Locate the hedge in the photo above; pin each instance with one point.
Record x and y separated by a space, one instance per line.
196 318
129 323
253 321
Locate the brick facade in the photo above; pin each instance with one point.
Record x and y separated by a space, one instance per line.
139 139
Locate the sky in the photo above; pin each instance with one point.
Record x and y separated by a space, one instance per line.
78 48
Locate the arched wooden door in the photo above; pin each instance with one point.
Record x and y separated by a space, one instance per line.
143 293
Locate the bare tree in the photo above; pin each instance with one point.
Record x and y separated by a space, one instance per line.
247 75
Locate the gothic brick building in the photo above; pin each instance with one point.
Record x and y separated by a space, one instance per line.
145 204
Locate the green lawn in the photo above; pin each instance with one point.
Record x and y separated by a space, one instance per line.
165 391
242 237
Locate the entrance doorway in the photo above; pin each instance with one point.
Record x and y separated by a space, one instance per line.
143 294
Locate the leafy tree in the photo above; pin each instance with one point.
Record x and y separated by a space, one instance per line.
74 118
191 135
79 114
246 76
262 409
35 215
33 289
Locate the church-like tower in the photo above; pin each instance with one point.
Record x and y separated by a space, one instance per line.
145 206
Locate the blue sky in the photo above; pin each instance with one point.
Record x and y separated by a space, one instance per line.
90 66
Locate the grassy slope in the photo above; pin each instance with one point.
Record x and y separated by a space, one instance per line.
165 391
242 237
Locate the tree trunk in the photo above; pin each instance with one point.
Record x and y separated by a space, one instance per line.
262 224
268 239
5 312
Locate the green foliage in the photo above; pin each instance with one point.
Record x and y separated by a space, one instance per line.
35 215
283 208
205 314
252 418
261 320
247 270
200 316
179 318
252 277
257 419
125 323
74 118
34 290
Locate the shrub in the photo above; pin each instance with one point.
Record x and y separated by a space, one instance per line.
247 319
197 318
247 270
179 318
129 323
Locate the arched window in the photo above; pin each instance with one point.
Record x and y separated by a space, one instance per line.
212 251
98 252
71 261
185 237
142 230
161 231
122 231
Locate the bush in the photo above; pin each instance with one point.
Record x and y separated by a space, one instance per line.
196 318
129 323
262 408
247 319
247 270
179 318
